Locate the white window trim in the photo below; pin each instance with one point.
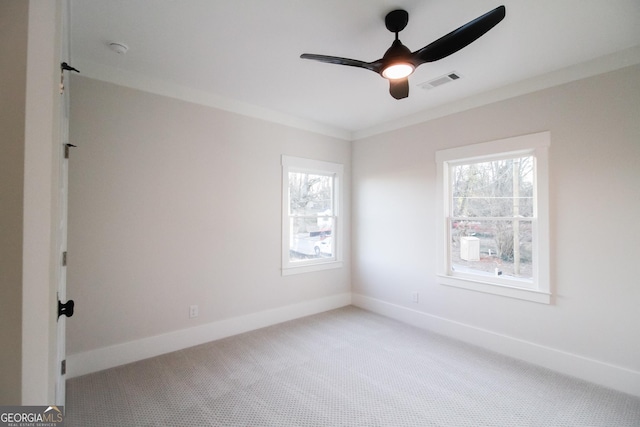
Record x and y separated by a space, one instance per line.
298 164
534 144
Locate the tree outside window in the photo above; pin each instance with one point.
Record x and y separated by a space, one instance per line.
493 217
492 209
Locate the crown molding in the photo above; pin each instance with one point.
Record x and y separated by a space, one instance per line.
604 64
169 89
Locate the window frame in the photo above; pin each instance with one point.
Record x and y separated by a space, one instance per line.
310 166
535 145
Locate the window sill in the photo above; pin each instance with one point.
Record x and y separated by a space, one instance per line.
308 268
496 289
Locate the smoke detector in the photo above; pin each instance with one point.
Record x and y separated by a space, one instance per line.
118 48
439 81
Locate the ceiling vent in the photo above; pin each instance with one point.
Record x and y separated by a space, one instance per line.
439 81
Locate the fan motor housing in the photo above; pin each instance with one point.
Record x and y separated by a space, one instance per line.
397 51
396 20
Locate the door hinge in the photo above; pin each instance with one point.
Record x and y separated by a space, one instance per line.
63 367
66 308
64 258
66 149
65 67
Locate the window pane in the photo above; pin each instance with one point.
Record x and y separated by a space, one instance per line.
491 248
497 188
311 231
311 238
310 194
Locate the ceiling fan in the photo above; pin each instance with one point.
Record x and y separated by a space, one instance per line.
399 62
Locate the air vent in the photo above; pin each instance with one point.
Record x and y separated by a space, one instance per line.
439 81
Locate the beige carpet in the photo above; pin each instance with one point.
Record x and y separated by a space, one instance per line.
346 367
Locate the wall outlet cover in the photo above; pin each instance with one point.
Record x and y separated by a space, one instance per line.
193 311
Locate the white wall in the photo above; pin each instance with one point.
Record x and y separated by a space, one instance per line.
13 44
41 204
173 204
594 159
29 41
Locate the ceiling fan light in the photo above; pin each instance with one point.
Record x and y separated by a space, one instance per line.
397 71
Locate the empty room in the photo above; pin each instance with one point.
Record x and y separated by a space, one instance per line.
319 213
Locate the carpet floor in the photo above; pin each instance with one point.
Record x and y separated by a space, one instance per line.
345 367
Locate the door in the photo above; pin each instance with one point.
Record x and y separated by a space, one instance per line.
65 308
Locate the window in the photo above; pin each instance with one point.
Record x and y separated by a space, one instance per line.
311 224
493 230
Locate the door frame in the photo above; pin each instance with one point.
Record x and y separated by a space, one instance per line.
62 217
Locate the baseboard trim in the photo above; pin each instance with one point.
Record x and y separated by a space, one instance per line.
132 351
605 374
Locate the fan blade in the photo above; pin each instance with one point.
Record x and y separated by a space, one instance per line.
373 66
459 38
399 88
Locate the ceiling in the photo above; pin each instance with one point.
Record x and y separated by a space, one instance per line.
244 55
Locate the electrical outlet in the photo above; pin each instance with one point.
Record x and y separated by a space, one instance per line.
193 311
415 297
